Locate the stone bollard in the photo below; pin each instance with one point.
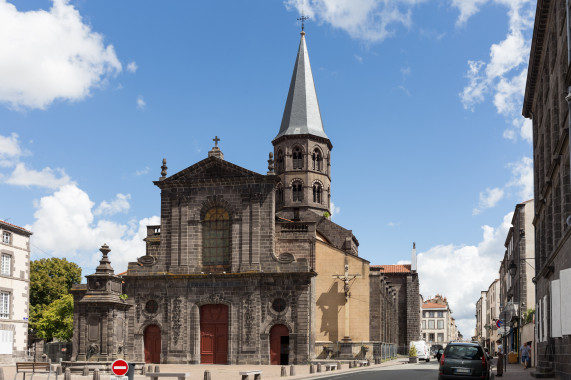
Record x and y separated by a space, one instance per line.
338 365
350 364
284 373
96 374
150 368
311 368
85 371
1 373
291 370
207 375
143 370
368 362
59 371
157 369
318 367
355 364
67 374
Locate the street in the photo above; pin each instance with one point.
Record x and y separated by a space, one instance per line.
420 371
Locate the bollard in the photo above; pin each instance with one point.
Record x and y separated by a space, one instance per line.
284 373
207 375
368 362
85 371
96 374
318 367
350 364
144 370
291 370
311 368
150 368
67 374
355 364
1 373
59 371
338 365
157 369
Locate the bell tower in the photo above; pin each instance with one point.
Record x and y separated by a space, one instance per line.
302 150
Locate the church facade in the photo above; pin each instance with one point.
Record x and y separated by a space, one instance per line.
245 268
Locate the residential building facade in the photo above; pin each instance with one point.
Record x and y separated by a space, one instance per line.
546 102
14 291
492 315
481 334
437 321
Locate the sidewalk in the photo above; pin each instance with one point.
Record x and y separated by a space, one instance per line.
514 371
221 372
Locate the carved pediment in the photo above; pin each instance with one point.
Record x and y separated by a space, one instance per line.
210 169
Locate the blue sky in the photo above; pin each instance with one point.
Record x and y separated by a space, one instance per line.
421 100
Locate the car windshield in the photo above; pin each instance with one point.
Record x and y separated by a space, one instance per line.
464 352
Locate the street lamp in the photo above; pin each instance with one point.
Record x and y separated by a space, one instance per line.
512 269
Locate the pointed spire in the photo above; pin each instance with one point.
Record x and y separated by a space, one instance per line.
301 113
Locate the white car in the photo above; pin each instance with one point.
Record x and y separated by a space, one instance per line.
422 351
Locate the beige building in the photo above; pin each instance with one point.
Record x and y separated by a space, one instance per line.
492 314
481 334
14 291
437 322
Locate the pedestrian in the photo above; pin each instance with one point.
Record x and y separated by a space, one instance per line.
524 355
500 362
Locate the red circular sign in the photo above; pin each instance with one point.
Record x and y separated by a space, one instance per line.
499 323
119 367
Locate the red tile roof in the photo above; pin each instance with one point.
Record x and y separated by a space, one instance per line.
432 305
393 268
15 226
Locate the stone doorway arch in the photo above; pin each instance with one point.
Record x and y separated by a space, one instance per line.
152 339
279 345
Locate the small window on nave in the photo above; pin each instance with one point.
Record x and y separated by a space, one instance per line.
280 195
297 158
216 238
280 162
317 193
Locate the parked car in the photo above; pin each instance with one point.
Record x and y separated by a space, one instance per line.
464 361
422 352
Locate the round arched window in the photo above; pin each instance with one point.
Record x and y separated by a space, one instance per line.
279 305
151 307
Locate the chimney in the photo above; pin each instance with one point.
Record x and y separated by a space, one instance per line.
413 258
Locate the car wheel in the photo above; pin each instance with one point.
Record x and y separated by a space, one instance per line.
427 360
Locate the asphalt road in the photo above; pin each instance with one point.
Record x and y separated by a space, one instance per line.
418 371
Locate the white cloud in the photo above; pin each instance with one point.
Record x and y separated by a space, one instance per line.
358 58
393 224
367 20
10 150
65 224
50 55
47 177
461 272
144 171
505 73
132 67
119 204
488 199
141 103
335 210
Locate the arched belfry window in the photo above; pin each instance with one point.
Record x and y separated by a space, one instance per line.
317 160
297 191
280 162
216 239
297 158
317 192
280 194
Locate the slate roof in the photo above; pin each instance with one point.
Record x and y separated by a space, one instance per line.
393 268
301 114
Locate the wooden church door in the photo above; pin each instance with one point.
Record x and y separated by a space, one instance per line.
152 344
214 334
279 345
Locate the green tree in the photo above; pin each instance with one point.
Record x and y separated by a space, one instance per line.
56 320
50 282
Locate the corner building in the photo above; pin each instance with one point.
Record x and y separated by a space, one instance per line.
245 268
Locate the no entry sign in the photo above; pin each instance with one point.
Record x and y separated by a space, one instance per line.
499 323
119 367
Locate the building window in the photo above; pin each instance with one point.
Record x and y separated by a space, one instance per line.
317 159
216 238
297 158
6 268
6 237
423 324
440 324
4 305
317 193
297 191
431 323
441 337
280 162
280 194
431 337
440 314
279 305
431 314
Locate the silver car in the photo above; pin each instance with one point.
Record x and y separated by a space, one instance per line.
464 361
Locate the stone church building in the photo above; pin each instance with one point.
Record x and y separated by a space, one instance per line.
246 267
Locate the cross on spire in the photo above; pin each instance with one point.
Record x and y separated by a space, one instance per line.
303 18
215 139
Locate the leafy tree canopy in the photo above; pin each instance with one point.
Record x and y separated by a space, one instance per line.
51 278
56 320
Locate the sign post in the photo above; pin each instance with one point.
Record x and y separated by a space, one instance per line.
119 368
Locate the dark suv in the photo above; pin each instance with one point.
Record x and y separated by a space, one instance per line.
464 361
